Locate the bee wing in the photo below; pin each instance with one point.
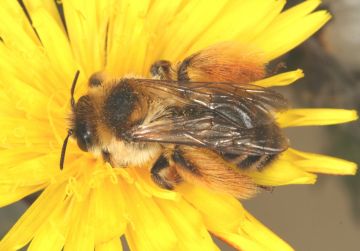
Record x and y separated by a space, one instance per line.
222 116
244 105
214 132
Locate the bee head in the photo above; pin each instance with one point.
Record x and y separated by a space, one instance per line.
83 128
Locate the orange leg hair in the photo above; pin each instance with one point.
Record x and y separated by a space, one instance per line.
204 167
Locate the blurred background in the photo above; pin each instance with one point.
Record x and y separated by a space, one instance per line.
325 216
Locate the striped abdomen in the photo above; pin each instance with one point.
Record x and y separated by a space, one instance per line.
244 161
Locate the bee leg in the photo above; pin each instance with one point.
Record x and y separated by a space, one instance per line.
107 157
96 79
277 68
203 167
163 174
182 71
267 188
161 70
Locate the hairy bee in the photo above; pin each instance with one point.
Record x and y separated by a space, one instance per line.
198 121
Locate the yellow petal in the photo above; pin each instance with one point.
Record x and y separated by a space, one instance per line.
12 15
240 242
108 213
15 63
257 237
266 18
280 37
187 224
144 183
25 177
189 24
8 156
130 45
52 234
47 238
213 207
10 193
49 6
310 117
29 170
28 101
251 227
225 217
81 234
87 38
148 228
280 79
112 245
295 13
318 163
37 214
282 172
54 40
239 20
94 210
163 12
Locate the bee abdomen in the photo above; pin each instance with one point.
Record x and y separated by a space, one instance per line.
259 161
250 161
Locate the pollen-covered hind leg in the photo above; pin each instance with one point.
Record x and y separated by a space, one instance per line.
161 70
163 174
201 166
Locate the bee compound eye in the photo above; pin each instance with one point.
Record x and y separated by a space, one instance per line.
84 138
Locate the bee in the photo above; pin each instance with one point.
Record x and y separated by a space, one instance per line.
199 121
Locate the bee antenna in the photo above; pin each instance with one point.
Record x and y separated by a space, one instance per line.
73 89
63 149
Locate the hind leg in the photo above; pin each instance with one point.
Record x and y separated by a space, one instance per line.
162 70
201 166
164 174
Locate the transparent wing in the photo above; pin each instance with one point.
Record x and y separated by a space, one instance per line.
228 118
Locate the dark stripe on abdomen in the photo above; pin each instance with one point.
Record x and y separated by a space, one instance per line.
250 161
180 160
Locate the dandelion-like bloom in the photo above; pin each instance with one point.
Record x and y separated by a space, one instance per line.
89 204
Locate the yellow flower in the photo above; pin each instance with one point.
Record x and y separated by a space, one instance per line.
89 204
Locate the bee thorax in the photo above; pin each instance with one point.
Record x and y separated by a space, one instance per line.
122 154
